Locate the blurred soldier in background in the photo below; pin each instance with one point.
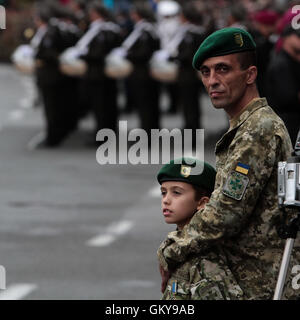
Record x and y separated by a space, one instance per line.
70 34
79 9
139 46
51 39
263 32
238 16
190 36
126 25
168 25
283 81
100 91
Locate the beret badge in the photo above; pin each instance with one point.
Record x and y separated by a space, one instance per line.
185 171
238 38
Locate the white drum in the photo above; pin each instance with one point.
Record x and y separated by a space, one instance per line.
23 59
162 69
116 66
70 64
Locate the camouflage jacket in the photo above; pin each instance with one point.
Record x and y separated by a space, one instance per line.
242 214
208 278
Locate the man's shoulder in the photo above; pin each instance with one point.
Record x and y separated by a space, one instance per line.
265 121
267 128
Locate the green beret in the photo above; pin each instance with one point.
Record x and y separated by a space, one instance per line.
223 42
181 171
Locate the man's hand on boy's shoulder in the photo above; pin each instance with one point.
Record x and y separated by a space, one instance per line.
160 254
172 237
164 268
165 276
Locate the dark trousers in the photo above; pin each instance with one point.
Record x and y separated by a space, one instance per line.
292 122
56 128
189 101
60 110
70 102
146 100
101 99
172 91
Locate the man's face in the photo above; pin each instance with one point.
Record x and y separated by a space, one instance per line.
178 202
224 80
292 46
93 15
134 16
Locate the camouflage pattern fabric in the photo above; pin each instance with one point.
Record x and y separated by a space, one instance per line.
208 278
243 219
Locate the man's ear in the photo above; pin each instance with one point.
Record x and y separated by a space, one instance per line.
202 202
251 74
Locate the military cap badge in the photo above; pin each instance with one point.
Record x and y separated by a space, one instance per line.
238 38
185 171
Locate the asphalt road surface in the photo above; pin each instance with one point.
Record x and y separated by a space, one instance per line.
72 228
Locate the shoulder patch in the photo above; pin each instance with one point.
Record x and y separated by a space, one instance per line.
235 185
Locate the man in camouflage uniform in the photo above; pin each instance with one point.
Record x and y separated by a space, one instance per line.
242 214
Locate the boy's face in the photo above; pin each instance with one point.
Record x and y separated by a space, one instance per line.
178 202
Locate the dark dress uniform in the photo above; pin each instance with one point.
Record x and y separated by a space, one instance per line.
51 84
101 91
70 34
189 84
264 48
144 88
283 87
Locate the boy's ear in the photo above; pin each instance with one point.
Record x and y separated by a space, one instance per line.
202 202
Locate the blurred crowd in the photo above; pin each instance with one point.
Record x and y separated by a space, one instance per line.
138 31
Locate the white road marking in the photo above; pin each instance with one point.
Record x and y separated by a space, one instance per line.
16 115
101 240
35 140
112 233
116 230
25 103
17 291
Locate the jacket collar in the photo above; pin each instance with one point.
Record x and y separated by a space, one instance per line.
252 106
236 122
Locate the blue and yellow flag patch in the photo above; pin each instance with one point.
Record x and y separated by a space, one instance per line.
242 168
174 287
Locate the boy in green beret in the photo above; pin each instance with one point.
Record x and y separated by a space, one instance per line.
204 277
